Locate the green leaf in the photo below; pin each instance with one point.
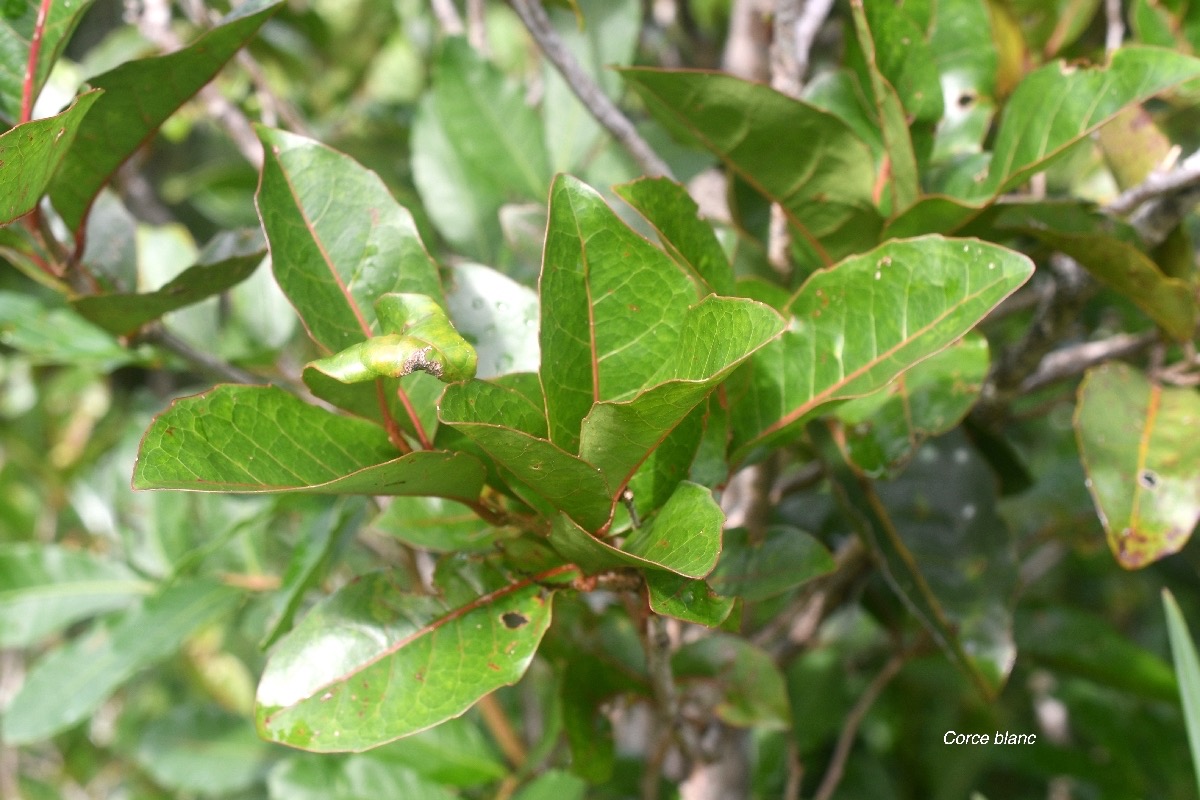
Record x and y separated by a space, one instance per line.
371 664
475 146
884 428
455 753
825 187
684 538
1060 104
554 785
69 684
1117 262
226 261
714 337
626 350
687 238
1187 668
1137 443
338 240
193 750
31 153
47 588
859 325
593 309
893 26
512 431
689 600
353 778
138 97
434 524
49 334
17 25
1083 644
942 548
418 336
759 570
308 562
754 693
262 439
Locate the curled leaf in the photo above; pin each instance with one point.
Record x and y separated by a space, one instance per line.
418 336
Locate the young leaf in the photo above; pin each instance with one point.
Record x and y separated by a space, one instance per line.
418 336
684 538
138 97
825 187
371 664
513 432
859 325
684 598
70 683
262 439
17 25
31 154
1137 442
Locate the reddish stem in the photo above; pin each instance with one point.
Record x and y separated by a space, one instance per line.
426 442
35 49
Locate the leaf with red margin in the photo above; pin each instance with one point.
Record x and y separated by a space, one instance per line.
825 186
262 439
31 153
338 242
16 36
860 324
627 351
1137 440
371 663
138 97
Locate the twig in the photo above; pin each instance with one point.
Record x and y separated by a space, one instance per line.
785 63
745 44
1157 184
594 100
790 632
502 730
477 26
1058 310
807 27
203 362
795 772
447 17
1114 31
1076 359
841 752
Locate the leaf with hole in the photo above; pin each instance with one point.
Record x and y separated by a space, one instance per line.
1137 441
